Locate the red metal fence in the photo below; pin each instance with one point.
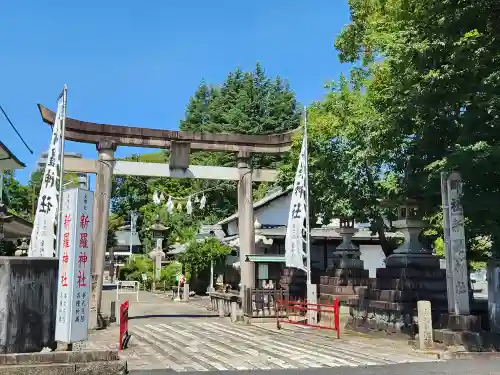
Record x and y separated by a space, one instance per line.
297 312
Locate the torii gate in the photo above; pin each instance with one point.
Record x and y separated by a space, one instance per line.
108 137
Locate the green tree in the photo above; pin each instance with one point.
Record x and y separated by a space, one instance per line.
435 81
35 184
16 195
248 103
198 256
349 176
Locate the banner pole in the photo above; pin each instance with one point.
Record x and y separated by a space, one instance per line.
61 168
308 210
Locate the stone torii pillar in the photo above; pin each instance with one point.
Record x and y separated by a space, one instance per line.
106 156
246 229
107 137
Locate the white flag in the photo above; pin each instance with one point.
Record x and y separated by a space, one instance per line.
295 254
43 234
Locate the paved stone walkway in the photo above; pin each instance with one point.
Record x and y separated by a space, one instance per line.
182 337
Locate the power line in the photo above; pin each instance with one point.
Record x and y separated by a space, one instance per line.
13 127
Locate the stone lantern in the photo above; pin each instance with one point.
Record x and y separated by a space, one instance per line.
157 255
347 254
411 252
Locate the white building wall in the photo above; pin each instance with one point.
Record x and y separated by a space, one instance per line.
273 213
373 258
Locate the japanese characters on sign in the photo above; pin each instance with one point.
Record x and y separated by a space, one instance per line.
43 235
457 245
294 240
74 266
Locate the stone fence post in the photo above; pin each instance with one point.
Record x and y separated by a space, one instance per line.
425 337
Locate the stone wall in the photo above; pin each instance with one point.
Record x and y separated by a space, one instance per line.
28 303
63 363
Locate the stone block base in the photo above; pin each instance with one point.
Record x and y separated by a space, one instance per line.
53 363
412 260
389 302
394 325
342 283
460 322
346 263
294 281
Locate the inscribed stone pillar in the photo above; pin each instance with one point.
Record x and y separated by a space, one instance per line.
493 276
446 230
106 151
245 220
457 247
426 340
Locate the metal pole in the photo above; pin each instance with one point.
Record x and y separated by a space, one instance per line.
211 276
131 230
308 227
64 95
1 185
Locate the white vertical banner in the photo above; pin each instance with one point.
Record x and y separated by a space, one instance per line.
75 261
43 233
457 247
294 239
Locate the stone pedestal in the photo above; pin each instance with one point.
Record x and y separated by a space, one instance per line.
346 274
412 273
294 281
28 303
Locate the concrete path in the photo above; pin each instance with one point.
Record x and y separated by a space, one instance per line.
185 337
454 367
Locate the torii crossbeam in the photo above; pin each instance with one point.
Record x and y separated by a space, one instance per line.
108 137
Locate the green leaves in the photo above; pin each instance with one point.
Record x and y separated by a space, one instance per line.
435 84
198 255
248 103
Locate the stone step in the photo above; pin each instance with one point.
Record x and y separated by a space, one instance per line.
471 340
376 326
343 281
332 289
406 284
381 306
402 295
453 322
343 298
410 273
348 272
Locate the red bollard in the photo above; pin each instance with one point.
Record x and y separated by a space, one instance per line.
124 335
336 309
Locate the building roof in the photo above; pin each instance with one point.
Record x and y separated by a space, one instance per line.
123 238
8 161
325 232
271 196
209 231
17 227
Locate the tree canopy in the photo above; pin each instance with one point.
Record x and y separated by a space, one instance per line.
423 97
245 103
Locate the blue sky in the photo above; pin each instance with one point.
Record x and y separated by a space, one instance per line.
131 64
